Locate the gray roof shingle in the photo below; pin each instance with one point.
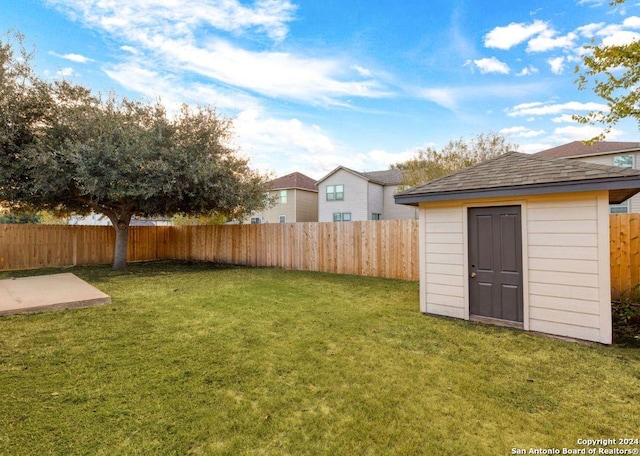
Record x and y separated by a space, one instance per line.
515 173
385 177
579 149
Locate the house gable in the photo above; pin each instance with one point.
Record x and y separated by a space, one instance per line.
296 200
367 195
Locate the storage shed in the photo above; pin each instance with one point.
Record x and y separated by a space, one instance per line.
521 241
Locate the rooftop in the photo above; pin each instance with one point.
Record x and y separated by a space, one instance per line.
579 149
515 173
294 180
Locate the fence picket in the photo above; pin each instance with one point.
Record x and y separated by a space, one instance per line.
386 248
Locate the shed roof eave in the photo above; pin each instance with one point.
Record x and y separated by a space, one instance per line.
629 183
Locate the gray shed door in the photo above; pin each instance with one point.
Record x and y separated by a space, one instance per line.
495 263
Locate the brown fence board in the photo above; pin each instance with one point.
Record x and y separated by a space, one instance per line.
387 248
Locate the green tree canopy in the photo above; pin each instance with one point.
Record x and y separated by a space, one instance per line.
613 73
429 163
67 150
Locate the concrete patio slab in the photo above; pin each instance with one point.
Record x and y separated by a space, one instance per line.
46 293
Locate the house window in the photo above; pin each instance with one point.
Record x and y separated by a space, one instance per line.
283 219
376 216
623 161
342 216
283 197
256 220
622 208
335 192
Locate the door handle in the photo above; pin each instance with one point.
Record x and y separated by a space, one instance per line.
473 275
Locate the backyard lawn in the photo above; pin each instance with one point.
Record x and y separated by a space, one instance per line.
203 359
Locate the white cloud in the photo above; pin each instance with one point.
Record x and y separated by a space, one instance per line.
513 34
547 40
590 30
381 159
138 77
618 34
454 97
446 97
621 38
557 65
632 22
130 49
72 57
528 71
581 133
521 132
285 145
543 109
185 36
362 71
66 72
492 65
593 2
532 148
564 118
179 18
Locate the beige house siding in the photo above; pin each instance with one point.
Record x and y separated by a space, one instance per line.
444 281
301 206
375 201
566 283
355 197
306 206
393 211
272 214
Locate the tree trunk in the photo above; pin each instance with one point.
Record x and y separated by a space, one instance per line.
122 240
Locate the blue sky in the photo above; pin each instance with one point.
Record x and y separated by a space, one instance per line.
313 84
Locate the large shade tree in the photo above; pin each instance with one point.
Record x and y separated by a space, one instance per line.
429 163
613 73
69 151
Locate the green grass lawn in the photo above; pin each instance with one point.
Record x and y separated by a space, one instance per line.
204 359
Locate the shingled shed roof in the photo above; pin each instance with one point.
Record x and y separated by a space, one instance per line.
294 180
516 174
579 149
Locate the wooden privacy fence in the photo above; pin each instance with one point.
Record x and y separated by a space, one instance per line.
387 248
41 246
624 232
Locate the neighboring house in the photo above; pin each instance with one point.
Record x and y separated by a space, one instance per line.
346 195
296 200
623 154
102 220
521 241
